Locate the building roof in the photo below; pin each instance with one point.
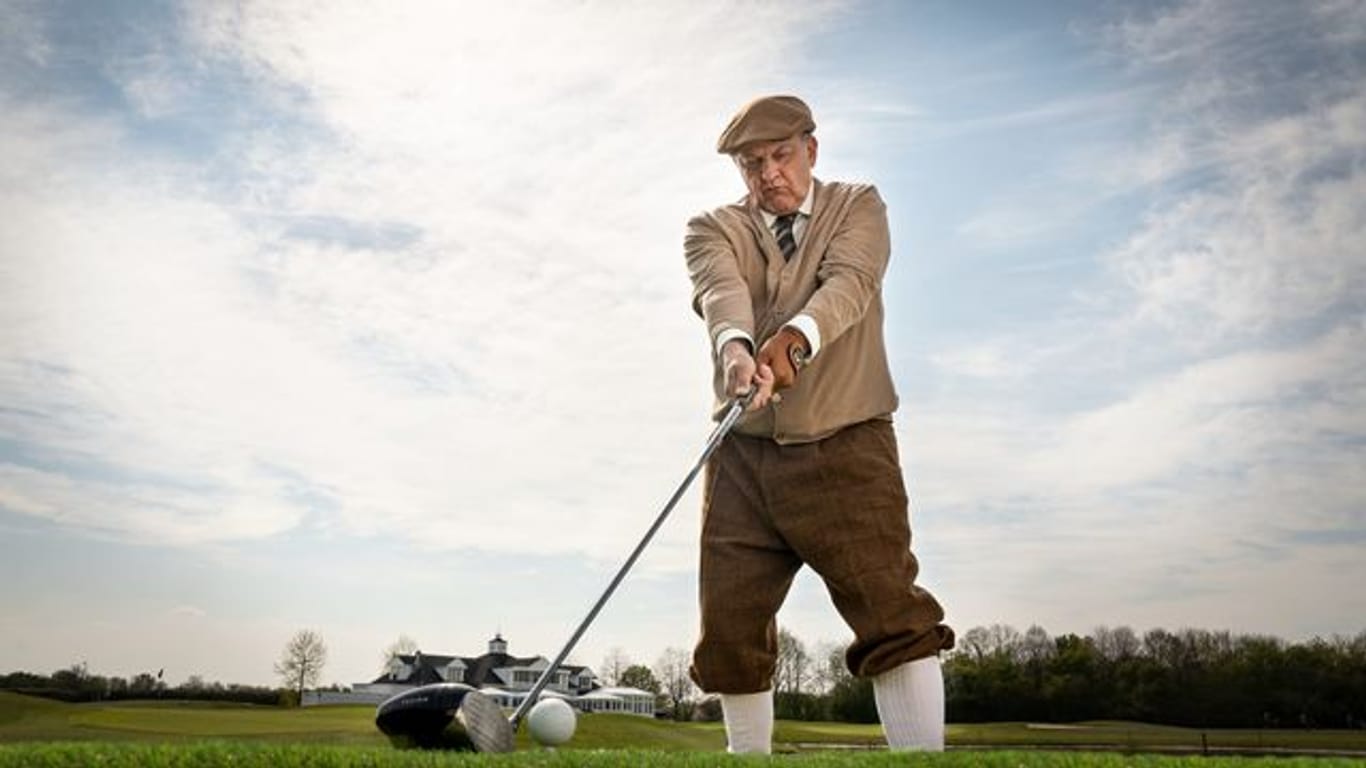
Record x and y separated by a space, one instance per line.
621 691
479 670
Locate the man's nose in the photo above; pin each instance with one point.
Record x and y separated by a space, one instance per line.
770 171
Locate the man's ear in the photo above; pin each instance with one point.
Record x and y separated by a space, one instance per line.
811 147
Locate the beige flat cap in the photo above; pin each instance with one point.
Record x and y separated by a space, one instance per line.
766 119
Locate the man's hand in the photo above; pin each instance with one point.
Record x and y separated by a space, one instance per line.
780 354
742 373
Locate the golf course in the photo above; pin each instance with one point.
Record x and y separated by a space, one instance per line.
37 731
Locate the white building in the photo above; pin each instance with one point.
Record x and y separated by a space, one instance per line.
505 678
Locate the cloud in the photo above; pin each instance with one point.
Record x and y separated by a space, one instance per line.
298 268
22 37
1010 222
1232 414
987 361
1206 432
1275 242
1235 474
432 289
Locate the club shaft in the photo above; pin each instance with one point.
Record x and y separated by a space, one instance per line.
736 408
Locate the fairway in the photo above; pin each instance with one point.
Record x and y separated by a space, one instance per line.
175 733
214 755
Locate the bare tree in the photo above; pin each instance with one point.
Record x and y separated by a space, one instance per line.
974 644
614 664
302 662
793 671
1116 644
672 672
403 646
1038 647
1005 642
830 668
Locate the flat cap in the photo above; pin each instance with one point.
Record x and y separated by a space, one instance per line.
766 119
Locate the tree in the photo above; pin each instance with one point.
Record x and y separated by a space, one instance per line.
613 665
1005 642
975 644
793 671
672 671
794 674
1038 648
302 662
118 688
1116 644
639 676
144 683
830 667
72 679
403 646
1037 651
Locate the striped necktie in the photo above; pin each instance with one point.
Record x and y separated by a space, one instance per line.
783 229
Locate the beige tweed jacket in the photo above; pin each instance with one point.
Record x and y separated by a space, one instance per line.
741 281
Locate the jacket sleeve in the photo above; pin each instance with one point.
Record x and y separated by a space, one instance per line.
850 273
720 295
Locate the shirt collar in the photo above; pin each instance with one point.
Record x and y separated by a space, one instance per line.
804 209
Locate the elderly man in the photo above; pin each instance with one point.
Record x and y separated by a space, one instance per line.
810 475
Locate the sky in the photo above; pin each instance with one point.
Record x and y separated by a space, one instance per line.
373 319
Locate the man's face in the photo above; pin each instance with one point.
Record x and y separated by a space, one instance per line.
778 173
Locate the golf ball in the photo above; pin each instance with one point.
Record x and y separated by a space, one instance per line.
551 722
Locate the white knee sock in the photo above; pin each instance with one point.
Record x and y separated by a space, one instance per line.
749 722
910 703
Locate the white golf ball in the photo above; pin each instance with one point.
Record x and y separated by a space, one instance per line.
551 722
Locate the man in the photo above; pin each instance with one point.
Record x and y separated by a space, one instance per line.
810 475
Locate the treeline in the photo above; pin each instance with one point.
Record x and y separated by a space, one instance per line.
1194 678
78 684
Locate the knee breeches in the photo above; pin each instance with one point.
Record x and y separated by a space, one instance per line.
838 505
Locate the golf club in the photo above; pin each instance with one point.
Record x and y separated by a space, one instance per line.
445 716
457 716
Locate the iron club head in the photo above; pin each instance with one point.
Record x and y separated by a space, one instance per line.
445 716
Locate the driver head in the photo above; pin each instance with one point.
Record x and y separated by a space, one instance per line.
445 716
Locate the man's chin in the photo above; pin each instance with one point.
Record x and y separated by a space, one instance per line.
781 205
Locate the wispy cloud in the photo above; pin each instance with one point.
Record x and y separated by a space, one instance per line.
289 284
493 329
1274 236
1233 312
22 35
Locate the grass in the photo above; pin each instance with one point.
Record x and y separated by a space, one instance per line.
236 754
1142 736
41 732
24 718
